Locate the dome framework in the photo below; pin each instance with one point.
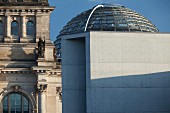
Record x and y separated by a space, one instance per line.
108 17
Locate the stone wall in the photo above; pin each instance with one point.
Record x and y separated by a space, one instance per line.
22 71
39 17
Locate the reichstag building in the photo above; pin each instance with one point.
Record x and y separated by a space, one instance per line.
30 76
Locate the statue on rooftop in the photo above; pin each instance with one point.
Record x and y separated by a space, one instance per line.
41 47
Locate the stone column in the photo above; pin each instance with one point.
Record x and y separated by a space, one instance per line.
8 37
8 26
23 26
42 97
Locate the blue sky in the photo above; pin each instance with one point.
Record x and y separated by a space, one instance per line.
157 11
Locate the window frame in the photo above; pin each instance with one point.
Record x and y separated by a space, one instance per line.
14 28
30 28
1 28
22 97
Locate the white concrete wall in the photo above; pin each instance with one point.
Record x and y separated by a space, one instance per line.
129 73
125 73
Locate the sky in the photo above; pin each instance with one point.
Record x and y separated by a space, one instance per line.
157 11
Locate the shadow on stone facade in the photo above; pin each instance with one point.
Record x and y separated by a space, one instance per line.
22 57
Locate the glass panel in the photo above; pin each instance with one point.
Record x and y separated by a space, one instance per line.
18 103
15 103
1 28
25 105
5 105
30 28
12 103
14 28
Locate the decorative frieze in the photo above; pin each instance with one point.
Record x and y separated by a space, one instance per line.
20 11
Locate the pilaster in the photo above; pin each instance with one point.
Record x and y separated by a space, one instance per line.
8 26
42 97
23 26
8 29
38 27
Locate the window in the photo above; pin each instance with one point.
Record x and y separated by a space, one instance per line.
14 28
30 28
15 103
1 28
34 0
4 0
19 0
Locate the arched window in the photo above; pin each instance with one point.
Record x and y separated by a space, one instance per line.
1 28
14 28
15 103
30 28
35 0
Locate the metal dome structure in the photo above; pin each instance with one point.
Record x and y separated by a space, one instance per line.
108 17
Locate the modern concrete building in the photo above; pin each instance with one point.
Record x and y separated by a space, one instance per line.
114 60
28 83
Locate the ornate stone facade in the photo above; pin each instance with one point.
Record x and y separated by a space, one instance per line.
24 2
33 83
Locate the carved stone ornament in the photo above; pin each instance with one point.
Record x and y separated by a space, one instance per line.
42 87
16 88
59 92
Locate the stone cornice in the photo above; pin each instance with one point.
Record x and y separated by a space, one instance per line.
15 70
52 73
28 7
48 70
24 3
26 10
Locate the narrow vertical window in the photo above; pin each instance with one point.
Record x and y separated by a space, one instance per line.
1 28
14 28
30 28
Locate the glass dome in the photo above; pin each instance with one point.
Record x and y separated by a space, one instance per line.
108 17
